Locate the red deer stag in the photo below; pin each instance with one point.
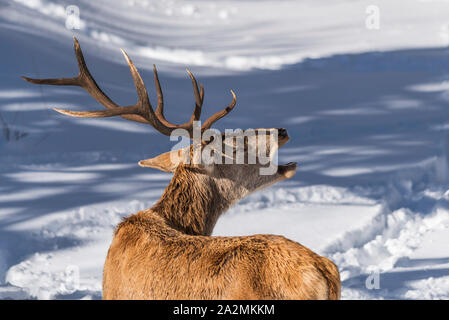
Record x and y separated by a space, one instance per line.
167 252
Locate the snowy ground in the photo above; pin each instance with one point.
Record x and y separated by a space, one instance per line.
367 112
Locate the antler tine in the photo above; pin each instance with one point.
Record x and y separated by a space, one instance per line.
100 113
199 96
56 81
74 81
160 96
143 103
220 114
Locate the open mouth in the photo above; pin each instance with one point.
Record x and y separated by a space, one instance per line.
288 169
282 137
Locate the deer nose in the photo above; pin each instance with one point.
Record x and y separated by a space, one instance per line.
282 132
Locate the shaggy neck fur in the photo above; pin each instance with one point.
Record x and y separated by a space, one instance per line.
192 202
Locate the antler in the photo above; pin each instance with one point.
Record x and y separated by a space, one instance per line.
142 111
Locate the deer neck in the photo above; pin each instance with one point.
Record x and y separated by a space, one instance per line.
193 202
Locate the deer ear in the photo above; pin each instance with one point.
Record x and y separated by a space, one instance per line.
167 162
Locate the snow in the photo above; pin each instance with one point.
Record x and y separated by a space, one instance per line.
367 112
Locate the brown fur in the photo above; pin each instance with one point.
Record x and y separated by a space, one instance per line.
166 252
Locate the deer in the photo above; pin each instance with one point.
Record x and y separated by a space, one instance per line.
168 251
